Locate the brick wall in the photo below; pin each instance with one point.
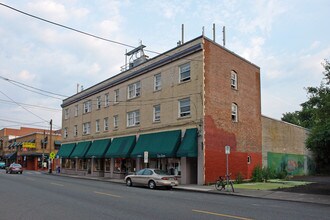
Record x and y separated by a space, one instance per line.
244 137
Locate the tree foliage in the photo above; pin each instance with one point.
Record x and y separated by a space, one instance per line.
315 115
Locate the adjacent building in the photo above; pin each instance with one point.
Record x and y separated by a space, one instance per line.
177 112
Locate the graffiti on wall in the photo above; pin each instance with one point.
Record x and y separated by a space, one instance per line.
293 164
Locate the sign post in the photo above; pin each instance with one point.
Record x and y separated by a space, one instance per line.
145 157
227 151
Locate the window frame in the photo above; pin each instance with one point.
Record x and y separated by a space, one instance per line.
98 102
116 96
106 124
134 90
234 112
183 71
183 114
76 110
156 114
97 125
86 128
65 132
158 82
87 106
133 118
115 121
106 100
75 130
233 79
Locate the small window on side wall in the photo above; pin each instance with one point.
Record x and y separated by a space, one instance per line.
249 159
233 82
234 112
184 72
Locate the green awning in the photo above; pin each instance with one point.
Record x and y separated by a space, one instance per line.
81 149
188 147
66 150
121 147
98 148
158 145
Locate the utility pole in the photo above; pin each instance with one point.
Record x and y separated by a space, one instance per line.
50 146
43 151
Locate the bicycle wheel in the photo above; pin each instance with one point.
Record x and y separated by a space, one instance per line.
218 185
232 186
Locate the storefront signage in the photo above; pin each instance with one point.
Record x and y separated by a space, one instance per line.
146 155
29 145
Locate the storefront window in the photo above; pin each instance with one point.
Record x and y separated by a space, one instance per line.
107 164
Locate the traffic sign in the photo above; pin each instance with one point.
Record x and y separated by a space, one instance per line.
227 149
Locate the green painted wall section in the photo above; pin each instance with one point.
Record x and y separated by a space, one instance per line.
292 163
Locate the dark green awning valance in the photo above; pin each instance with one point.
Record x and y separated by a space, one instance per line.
121 147
66 150
81 149
188 147
158 145
98 148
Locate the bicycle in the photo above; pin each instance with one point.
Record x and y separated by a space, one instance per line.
221 184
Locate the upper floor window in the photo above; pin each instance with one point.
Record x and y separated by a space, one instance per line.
157 82
234 112
106 124
66 113
184 72
86 128
106 100
65 132
76 110
75 130
133 118
97 126
87 106
233 79
156 113
115 121
116 98
98 102
184 107
134 90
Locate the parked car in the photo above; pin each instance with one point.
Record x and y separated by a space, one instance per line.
14 168
152 178
2 165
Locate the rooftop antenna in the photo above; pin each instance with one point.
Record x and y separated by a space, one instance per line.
203 31
224 35
182 37
214 32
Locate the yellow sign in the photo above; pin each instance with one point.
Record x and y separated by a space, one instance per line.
52 155
29 145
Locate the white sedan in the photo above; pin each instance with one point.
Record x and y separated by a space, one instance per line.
151 178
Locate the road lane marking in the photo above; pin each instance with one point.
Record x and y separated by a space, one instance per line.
107 194
57 184
222 215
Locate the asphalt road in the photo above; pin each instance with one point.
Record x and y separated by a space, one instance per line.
33 195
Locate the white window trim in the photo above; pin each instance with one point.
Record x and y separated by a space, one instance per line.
115 121
65 132
157 84
86 128
134 90
87 106
76 110
106 100
134 117
106 124
181 68
234 112
156 118
98 102
116 98
66 113
75 130
97 125
185 113
233 79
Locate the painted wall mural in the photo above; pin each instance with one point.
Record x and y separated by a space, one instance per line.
292 163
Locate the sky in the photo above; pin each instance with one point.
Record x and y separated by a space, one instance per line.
42 63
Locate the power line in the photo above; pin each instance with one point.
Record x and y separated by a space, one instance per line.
83 32
23 86
29 105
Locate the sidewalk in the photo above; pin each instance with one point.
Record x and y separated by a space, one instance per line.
265 194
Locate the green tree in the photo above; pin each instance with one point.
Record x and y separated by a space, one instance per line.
315 115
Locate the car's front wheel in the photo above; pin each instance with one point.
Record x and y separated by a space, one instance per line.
129 182
152 184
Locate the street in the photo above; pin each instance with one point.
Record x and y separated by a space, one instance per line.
34 195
